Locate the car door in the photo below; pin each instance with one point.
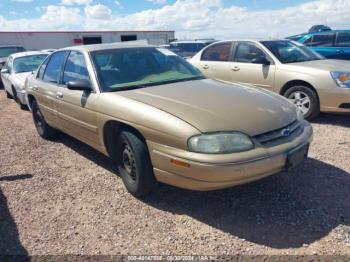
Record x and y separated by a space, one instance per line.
324 45
76 107
251 65
342 45
6 76
214 61
44 86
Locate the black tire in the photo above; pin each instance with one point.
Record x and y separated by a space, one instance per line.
134 164
314 105
44 130
8 95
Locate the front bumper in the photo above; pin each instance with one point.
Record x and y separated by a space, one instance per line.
22 96
334 99
210 172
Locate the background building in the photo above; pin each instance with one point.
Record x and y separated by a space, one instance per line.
59 39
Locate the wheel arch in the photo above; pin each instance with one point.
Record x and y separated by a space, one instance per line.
292 83
110 131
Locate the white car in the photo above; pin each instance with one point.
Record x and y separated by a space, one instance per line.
14 73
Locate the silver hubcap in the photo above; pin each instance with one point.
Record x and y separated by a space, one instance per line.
301 100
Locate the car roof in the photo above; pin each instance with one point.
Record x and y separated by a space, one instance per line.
28 53
98 47
320 33
11 46
204 41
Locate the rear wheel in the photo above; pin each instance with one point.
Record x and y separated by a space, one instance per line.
134 164
44 130
8 95
305 99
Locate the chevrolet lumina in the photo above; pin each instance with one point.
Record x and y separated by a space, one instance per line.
15 72
160 120
307 79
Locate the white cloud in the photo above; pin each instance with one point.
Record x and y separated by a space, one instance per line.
119 4
98 12
74 2
194 19
157 1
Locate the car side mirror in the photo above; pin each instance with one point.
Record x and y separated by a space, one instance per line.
261 60
5 71
80 84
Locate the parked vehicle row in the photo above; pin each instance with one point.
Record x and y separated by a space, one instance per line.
15 72
5 52
165 119
161 120
306 78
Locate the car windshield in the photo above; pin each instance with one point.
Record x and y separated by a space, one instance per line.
291 52
126 68
9 50
27 63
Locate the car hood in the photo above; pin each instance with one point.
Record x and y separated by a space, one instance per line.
212 106
327 64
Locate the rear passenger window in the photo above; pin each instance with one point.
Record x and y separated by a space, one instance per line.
75 68
343 39
218 52
325 40
54 67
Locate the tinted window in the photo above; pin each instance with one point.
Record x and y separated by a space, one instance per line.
248 53
186 47
217 52
120 69
307 41
75 68
7 51
343 39
322 40
42 69
53 68
291 52
28 63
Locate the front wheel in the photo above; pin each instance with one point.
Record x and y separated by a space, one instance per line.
134 164
305 99
44 130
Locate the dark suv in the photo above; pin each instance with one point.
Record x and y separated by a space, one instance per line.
189 48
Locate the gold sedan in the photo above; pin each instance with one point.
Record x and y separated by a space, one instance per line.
160 120
307 79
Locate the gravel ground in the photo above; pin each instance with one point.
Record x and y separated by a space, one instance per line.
62 197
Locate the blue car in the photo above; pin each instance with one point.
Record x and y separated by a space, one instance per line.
334 44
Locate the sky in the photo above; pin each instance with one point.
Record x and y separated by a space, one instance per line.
220 19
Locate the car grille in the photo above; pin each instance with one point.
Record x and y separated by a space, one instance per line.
278 136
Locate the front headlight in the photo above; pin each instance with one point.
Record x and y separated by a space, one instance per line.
220 143
341 78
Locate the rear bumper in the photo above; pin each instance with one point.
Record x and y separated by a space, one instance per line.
220 171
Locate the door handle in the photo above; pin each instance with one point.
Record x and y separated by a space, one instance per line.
205 67
59 95
340 51
235 68
35 88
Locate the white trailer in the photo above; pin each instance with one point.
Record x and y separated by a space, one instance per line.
58 39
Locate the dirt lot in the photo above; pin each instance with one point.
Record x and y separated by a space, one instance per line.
62 197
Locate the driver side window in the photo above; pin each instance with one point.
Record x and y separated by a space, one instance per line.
248 53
